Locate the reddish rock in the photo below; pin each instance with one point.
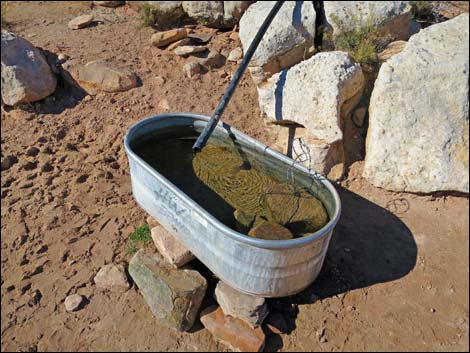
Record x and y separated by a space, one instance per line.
170 247
152 222
235 333
112 277
234 36
246 307
270 231
181 42
100 76
161 39
191 69
80 22
188 50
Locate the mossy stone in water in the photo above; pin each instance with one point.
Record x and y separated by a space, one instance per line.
294 207
270 231
253 193
243 221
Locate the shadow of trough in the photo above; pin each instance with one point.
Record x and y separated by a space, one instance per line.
369 245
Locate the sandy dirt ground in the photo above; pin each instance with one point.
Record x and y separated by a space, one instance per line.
396 276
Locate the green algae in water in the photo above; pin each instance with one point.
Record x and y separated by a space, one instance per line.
234 188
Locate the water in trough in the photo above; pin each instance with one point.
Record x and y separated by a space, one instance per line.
237 189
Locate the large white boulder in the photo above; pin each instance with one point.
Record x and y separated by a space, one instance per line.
418 117
392 18
26 75
288 40
220 14
318 93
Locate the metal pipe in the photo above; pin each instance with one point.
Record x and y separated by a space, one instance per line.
209 128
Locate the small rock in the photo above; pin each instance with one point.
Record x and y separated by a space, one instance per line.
112 277
164 105
159 80
433 310
234 36
351 308
170 247
80 22
98 76
8 161
276 323
111 4
61 58
161 39
32 151
87 98
211 60
391 49
181 42
173 295
235 333
189 49
248 308
73 302
152 222
200 38
235 55
270 231
191 68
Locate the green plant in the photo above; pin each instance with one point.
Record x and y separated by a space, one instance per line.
422 10
362 41
141 236
150 15
4 22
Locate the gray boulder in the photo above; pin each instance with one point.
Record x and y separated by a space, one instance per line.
26 75
109 3
392 18
288 40
219 14
318 94
418 116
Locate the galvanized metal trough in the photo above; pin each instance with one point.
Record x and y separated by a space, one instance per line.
268 268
